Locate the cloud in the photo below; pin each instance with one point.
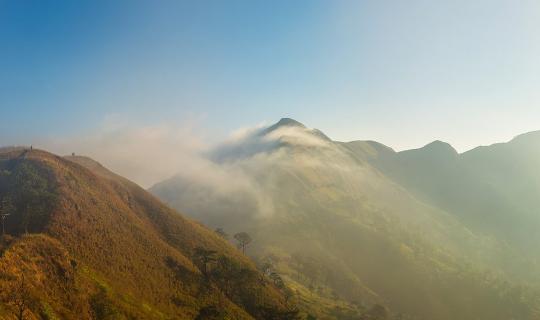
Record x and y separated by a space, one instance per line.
254 141
242 134
149 154
297 136
236 176
145 154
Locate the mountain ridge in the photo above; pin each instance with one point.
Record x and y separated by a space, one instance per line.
341 204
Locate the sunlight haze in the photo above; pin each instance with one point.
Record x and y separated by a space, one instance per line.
402 73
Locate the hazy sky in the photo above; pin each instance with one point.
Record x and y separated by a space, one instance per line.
400 72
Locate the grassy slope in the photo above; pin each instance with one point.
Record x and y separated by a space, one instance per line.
111 237
372 240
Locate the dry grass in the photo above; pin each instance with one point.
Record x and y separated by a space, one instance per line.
107 244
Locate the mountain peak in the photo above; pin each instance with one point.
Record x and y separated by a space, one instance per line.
440 146
436 148
285 122
289 122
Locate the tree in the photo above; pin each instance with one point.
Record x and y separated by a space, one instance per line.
243 240
221 233
204 257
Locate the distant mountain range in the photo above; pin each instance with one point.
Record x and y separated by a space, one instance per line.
493 190
83 243
427 233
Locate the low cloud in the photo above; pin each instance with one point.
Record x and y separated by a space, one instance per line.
297 136
256 141
240 177
145 154
149 154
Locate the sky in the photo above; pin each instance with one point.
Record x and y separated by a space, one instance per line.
403 73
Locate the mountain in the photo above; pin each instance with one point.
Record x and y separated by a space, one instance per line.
493 190
353 227
84 243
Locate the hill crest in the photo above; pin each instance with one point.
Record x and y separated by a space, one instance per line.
128 248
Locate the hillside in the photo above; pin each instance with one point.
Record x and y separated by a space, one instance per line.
494 190
340 228
84 243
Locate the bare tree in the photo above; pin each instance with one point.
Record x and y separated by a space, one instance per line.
243 240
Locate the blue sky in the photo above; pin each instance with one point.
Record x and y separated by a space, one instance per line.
400 72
